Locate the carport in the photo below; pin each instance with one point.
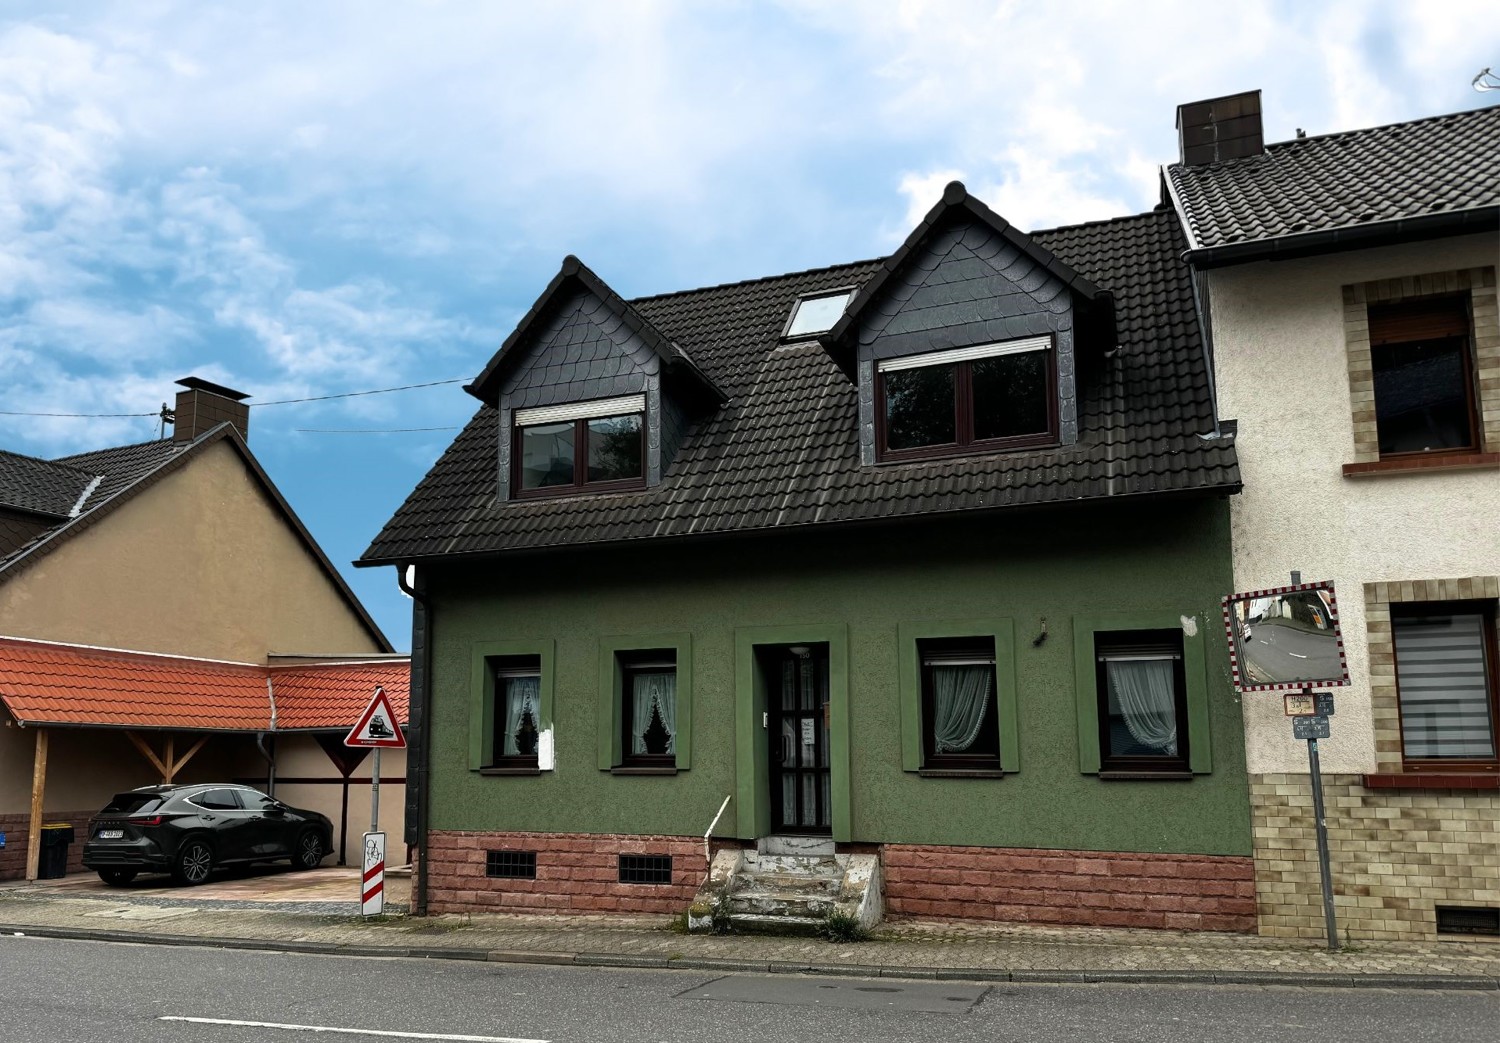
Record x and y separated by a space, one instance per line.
81 702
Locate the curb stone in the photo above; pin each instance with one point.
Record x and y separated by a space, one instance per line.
1473 982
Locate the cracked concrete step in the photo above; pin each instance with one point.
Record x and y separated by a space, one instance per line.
799 864
781 903
787 882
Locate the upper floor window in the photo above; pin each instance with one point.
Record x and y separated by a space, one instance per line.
1423 370
583 446
816 313
990 396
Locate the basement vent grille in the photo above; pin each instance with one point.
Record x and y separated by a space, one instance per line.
1453 920
645 869
510 865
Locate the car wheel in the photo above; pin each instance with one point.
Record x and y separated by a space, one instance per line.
117 877
309 851
195 860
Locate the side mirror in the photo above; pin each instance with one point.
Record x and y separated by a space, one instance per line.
275 809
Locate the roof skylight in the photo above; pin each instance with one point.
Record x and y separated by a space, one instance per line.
817 313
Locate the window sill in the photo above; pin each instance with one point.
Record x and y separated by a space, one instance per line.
961 773
643 771
1436 462
1146 776
1432 780
510 771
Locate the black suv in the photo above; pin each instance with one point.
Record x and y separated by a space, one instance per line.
189 830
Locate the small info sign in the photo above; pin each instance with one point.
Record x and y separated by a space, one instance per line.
1314 727
1308 704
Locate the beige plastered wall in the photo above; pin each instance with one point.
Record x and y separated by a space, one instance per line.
300 757
199 564
1281 366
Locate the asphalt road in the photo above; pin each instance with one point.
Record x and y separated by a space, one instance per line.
1281 652
54 991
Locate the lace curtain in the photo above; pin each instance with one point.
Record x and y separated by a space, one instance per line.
960 698
1142 690
521 694
658 692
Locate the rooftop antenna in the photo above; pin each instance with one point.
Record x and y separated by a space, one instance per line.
167 416
1486 81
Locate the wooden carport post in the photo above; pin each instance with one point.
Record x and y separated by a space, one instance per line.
38 786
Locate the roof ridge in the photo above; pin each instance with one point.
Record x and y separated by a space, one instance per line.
1097 222
1355 131
759 278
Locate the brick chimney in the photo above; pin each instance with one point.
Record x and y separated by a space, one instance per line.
203 406
1220 129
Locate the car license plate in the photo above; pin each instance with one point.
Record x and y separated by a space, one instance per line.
111 834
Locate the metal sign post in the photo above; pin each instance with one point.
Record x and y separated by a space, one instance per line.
1309 712
377 729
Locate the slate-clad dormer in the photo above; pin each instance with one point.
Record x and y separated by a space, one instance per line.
966 341
591 397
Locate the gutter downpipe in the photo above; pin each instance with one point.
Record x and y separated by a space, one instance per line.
417 752
260 743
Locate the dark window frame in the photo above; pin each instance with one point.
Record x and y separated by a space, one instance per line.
1119 644
503 667
1486 609
510 864
1391 313
978 647
580 484
631 663
963 415
644 870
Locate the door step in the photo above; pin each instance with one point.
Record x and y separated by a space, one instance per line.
757 893
795 845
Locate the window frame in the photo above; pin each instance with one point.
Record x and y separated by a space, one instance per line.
517 666
1140 640
1195 677
974 654
483 696
615 653
1487 610
1468 368
649 661
580 459
965 443
910 689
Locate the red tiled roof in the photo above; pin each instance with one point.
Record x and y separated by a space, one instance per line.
311 696
46 683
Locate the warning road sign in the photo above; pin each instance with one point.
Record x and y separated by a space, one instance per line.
377 726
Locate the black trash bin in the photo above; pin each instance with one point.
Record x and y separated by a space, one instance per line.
57 837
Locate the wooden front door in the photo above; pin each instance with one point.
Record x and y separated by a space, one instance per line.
797 717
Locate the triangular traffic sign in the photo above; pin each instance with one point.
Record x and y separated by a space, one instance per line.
377 726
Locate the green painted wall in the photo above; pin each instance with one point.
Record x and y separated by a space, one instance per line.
1056 564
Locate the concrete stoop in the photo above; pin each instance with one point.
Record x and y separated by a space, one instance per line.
761 892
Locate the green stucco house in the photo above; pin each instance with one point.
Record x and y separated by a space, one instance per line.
917 558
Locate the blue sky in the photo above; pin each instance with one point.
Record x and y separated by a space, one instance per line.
308 199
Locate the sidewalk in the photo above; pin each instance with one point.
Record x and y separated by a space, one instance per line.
310 917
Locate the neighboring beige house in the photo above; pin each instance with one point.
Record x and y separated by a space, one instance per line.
1349 280
184 547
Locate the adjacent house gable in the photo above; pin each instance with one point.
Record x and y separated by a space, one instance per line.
182 547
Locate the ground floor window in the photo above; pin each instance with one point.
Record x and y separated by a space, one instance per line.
1142 695
517 716
648 696
1446 681
960 722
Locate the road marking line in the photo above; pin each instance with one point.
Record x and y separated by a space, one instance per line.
351 1032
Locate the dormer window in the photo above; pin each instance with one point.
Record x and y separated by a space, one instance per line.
965 400
816 313
594 446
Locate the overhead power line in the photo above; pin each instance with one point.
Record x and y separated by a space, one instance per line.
355 394
281 402
366 430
